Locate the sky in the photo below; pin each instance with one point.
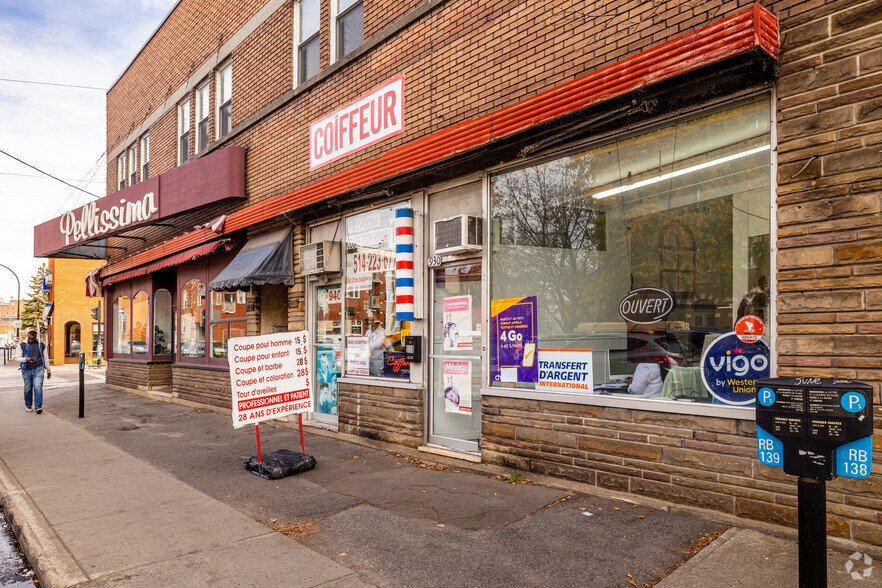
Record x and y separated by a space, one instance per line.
58 129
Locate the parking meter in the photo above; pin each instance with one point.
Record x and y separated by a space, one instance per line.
815 427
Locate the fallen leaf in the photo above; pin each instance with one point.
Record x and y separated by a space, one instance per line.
630 576
440 524
633 583
344 554
582 508
274 520
634 505
615 508
641 517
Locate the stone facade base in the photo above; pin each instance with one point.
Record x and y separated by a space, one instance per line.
202 386
704 462
146 377
394 415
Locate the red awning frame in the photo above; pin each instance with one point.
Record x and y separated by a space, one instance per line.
177 259
750 29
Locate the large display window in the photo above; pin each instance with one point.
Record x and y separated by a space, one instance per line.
122 322
227 319
193 319
373 336
623 269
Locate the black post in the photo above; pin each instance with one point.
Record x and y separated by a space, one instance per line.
100 334
82 383
812 496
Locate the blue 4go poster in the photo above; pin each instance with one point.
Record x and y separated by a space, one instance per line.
326 380
513 328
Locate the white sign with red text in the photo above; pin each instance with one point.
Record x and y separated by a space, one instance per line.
370 119
269 376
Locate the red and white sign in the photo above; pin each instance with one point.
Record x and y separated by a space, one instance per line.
750 328
368 120
269 376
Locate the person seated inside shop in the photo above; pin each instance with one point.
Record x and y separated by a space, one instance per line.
649 378
378 342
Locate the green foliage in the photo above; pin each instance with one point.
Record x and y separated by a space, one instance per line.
34 302
512 479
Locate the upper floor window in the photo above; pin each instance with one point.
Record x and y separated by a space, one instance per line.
121 171
183 132
133 165
350 26
307 40
202 109
145 156
224 100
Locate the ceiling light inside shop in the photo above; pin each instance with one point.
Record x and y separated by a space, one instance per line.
679 172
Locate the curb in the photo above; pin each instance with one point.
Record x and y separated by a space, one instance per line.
53 564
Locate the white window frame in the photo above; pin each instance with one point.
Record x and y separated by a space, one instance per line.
298 42
145 156
133 165
183 127
203 103
220 102
121 171
335 25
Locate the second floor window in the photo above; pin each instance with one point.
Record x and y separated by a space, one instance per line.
183 132
133 165
350 26
121 171
202 108
224 100
308 40
145 156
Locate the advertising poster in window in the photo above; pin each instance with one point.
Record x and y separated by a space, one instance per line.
730 368
269 377
513 328
358 355
457 323
566 370
326 380
457 386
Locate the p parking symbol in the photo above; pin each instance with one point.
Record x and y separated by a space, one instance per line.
766 397
853 402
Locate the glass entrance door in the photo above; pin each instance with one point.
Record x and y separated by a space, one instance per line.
327 350
455 407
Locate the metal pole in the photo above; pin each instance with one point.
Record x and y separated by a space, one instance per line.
82 384
100 335
812 509
18 300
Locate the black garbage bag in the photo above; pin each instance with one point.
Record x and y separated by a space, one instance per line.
281 463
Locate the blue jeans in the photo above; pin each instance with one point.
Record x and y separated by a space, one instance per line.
33 386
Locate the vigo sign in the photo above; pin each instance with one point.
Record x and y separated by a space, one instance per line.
370 119
645 306
94 222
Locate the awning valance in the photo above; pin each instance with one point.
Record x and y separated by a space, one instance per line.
176 259
265 259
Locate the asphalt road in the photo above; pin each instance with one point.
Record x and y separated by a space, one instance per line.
384 516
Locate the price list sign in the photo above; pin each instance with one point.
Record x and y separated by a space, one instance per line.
269 376
815 427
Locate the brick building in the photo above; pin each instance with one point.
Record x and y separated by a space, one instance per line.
571 170
71 327
8 314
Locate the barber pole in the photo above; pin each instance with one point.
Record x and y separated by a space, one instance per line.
404 264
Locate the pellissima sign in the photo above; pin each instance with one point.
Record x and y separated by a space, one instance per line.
95 221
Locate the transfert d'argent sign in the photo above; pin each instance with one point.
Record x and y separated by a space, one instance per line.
370 119
215 177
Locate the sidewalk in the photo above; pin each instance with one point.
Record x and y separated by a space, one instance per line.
146 493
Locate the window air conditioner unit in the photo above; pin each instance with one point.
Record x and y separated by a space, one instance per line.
321 257
458 234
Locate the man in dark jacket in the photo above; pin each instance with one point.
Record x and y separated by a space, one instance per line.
32 368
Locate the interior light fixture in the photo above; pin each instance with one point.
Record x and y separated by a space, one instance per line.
679 172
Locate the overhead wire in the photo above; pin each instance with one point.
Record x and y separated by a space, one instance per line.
47 174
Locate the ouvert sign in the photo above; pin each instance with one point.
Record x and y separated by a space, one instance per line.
80 232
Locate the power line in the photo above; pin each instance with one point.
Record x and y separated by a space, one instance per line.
53 84
47 174
42 177
93 170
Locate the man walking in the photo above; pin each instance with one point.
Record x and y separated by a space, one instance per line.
32 367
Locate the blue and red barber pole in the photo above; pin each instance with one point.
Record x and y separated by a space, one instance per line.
404 264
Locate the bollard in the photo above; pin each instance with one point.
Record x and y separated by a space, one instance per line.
82 384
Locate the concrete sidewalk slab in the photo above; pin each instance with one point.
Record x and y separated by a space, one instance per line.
743 558
85 511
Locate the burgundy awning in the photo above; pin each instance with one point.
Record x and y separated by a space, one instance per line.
176 259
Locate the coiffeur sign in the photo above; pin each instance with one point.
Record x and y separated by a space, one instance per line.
370 119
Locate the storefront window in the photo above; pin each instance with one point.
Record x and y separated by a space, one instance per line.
617 269
122 311
139 322
227 319
162 320
373 336
193 319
